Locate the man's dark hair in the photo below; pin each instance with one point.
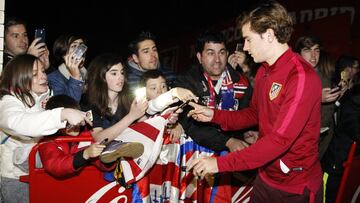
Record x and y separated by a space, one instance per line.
11 21
61 101
134 45
151 74
208 36
307 42
346 61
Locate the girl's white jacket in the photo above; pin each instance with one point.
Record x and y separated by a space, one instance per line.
20 128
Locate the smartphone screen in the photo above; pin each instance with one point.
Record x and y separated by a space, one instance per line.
80 51
40 33
336 89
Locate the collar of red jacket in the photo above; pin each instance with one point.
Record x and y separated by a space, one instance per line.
283 59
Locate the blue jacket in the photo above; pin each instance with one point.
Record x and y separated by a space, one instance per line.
134 75
61 85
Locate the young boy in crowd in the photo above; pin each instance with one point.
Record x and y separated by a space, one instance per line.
160 97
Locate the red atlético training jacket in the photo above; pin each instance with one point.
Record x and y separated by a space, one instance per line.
286 106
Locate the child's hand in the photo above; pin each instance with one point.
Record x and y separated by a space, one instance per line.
174 116
93 151
175 133
183 94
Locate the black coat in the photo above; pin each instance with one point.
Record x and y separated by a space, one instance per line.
207 134
347 130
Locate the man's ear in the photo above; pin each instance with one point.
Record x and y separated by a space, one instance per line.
135 57
270 35
198 56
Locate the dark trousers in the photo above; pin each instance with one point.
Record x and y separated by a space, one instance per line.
262 193
332 187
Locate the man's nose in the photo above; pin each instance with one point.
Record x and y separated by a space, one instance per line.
246 46
313 53
153 54
23 39
217 57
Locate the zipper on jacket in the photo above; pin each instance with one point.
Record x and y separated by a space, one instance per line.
266 74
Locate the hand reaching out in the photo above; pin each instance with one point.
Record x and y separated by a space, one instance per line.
203 166
201 113
138 108
175 133
183 94
74 117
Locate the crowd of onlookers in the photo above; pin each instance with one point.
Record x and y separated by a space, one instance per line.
50 92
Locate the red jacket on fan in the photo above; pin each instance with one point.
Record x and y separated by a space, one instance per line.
286 106
64 159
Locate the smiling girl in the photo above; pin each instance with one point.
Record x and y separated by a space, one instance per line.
23 94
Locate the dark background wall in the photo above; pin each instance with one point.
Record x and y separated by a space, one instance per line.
109 25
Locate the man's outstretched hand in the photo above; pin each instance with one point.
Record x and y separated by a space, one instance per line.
201 113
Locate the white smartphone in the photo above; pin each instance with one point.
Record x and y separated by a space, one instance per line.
80 51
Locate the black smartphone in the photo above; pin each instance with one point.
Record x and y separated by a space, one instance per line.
104 142
336 89
183 105
40 33
179 107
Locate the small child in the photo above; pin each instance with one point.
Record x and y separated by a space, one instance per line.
62 159
160 97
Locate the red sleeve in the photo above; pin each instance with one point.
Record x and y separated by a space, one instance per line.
302 97
57 159
236 120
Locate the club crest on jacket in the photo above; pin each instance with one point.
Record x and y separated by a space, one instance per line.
274 90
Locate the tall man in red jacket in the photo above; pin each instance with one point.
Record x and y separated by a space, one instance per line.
285 105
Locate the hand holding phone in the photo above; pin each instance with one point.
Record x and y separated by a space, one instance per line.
336 89
79 51
183 105
104 142
239 47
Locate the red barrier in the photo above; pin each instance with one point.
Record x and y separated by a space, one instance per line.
87 186
350 182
